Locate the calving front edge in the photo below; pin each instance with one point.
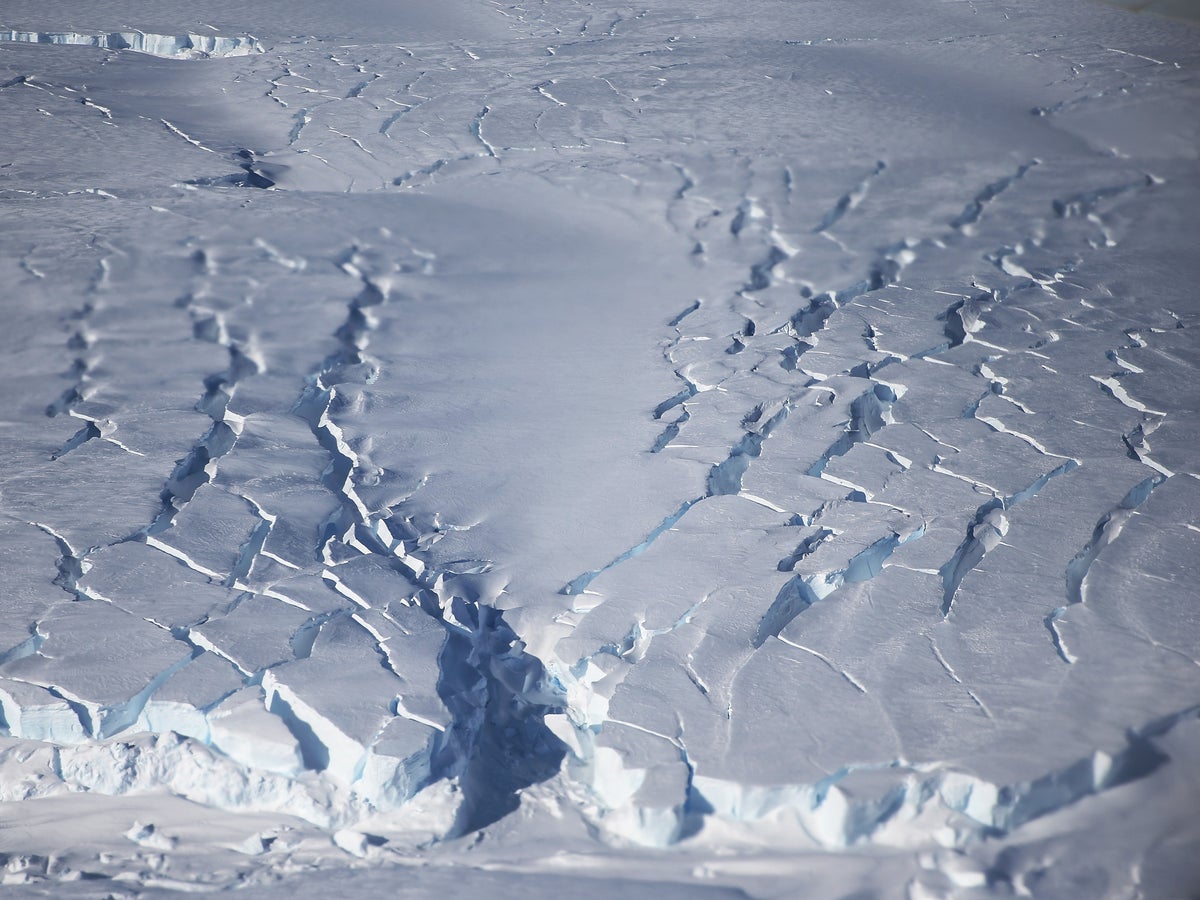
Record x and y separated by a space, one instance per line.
183 46
895 803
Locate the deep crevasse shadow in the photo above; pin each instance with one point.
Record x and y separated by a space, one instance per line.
498 743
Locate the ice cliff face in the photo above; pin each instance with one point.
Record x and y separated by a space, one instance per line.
629 439
184 46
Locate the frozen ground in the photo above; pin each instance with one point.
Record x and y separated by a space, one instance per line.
682 449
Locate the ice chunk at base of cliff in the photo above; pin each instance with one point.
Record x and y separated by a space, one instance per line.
31 712
378 735
246 732
171 763
397 766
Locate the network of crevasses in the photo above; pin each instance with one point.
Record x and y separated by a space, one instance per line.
1086 205
962 318
413 559
353 339
726 477
805 324
962 321
81 720
469 720
496 693
73 563
96 722
809 320
890 263
869 412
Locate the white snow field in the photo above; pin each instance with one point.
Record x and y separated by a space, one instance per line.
572 449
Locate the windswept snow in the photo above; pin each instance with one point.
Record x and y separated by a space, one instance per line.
665 449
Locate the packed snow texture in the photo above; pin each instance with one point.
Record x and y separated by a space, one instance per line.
679 449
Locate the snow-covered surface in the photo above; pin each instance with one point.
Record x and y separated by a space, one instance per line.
1179 9
692 449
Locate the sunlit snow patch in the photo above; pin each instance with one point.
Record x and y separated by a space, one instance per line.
183 46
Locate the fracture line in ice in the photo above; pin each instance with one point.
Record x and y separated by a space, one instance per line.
985 532
1112 523
849 200
801 592
493 689
850 679
974 209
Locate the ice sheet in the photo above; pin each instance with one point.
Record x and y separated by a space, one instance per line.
745 449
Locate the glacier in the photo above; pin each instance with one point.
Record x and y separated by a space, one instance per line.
589 448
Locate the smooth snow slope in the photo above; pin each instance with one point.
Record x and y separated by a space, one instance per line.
680 449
